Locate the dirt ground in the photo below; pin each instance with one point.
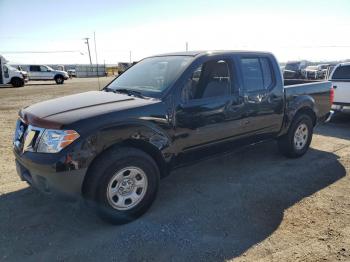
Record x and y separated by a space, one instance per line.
248 205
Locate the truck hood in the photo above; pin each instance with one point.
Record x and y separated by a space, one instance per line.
65 110
60 72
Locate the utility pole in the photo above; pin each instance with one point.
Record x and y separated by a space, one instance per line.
98 79
186 46
130 56
87 42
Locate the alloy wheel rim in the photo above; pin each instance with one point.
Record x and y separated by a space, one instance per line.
301 136
127 188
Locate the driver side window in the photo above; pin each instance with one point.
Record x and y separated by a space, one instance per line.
43 69
211 79
6 71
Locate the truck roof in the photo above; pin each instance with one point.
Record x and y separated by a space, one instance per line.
209 52
344 64
3 60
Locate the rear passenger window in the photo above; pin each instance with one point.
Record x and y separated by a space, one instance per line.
34 68
267 73
342 72
257 74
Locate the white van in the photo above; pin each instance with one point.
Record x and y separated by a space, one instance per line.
44 72
10 75
340 78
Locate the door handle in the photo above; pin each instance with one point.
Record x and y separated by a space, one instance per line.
334 87
253 99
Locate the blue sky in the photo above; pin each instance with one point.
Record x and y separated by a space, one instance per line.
314 30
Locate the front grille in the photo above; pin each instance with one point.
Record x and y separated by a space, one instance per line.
26 136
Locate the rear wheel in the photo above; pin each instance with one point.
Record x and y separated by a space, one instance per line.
297 141
123 184
59 80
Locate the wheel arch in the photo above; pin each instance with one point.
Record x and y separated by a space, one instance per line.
307 111
58 75
141 143
301 104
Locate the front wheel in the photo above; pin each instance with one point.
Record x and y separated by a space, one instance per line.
124 184
17 82
59 80
298 139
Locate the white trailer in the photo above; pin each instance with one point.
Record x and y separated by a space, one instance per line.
10 75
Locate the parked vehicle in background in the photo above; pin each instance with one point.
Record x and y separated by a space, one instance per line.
122 67
295 70
330 70
340 78
72 73
10 75
44 73
23 72
316 71
61 68
112 146
324 69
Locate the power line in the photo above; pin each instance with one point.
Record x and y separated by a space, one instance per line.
44 52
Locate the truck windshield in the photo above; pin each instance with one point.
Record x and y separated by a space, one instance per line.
11 68
151 76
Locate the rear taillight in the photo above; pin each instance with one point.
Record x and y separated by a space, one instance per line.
331 96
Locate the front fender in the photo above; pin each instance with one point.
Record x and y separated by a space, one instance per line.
134 130
138 133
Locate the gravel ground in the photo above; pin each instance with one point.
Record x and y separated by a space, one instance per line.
248 205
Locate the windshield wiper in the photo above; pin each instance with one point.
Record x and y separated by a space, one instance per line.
129 92
108 89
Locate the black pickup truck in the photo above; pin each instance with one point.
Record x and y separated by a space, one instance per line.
113 146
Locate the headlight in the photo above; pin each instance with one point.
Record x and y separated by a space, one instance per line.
53 141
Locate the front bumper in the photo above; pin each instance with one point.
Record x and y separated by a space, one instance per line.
42 173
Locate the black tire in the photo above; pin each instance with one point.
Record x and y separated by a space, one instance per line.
101 174
17 82
59 80
287 144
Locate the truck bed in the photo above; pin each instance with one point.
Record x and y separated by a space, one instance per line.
288 82
318 90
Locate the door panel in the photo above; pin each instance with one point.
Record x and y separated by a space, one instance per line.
263 95
205 121
34 72
44 73
210 108
264 111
